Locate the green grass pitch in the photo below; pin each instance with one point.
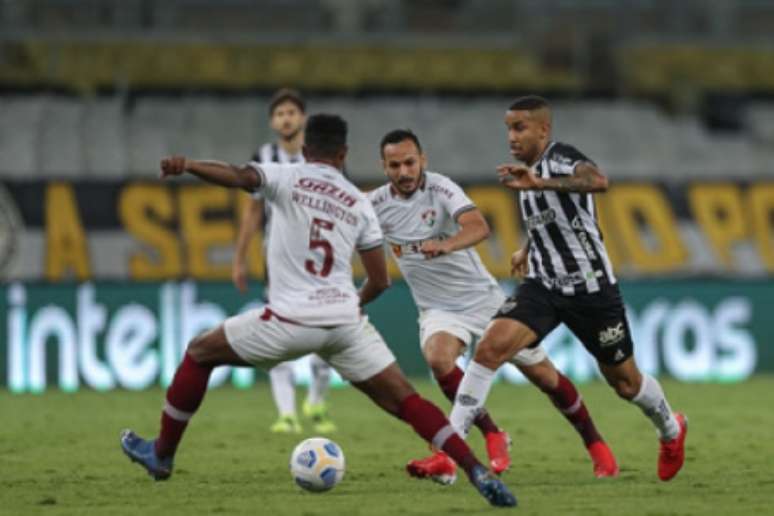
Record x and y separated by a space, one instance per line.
59 454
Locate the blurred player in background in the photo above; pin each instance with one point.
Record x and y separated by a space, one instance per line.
569 280
431 226
287 118
319 219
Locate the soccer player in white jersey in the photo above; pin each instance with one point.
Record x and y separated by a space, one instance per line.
287 116
431 226
318 220
569 280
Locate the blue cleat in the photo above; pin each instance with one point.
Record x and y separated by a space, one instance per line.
492 488
143 453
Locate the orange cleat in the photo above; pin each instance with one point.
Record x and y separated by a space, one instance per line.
497 446
439 467
672 453
605 465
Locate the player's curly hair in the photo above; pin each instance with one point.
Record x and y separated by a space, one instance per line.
325 134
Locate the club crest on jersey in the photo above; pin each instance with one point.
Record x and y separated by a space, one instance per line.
428 217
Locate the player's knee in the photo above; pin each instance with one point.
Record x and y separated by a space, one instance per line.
197 349
440 365
492 353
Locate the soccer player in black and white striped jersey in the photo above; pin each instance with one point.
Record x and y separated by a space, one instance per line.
568 279
287 118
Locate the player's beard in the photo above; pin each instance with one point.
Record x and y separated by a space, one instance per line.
291 136
416 184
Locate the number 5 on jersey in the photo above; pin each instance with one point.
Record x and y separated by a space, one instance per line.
318 241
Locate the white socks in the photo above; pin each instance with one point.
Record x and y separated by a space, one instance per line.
283 388
471 396
283 385
321 378
653 404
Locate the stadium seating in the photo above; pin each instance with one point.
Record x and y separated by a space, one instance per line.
107 137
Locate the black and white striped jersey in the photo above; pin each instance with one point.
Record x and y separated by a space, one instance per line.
566 249
274 153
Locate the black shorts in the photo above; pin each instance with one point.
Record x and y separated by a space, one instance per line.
598 319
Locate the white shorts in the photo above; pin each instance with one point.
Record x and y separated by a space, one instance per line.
470 326
356 351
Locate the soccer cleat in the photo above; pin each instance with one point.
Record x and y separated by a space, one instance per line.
439 467
672 453
286 425
492 488
497 446
318 413
604 461
143 452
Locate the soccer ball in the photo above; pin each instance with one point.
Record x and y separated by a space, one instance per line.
317 464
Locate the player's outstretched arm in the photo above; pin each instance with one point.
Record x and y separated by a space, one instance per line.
473 229
251 221
216 172
586 178
377 279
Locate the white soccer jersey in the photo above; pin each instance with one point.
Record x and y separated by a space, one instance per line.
274 153
454 282
318 219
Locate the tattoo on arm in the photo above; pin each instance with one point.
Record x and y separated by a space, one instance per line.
585 179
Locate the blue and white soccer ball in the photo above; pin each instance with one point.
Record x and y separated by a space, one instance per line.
317 464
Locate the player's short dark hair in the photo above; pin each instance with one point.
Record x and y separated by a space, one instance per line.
397 136
529 103
286 95
325 134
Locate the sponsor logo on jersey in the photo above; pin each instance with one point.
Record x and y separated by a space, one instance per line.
567 280
413 247
327 189
541 219
441 190
583 237
612 335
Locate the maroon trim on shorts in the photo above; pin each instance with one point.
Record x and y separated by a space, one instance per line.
268 313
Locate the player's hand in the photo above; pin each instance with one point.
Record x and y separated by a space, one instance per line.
433 248
519 263
172 166
239 275
518 177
